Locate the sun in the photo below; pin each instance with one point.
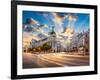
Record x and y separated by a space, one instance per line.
69 32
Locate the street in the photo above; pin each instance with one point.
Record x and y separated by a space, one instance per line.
54 60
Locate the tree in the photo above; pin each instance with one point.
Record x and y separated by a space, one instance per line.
45 47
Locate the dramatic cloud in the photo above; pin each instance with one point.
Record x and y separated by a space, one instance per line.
32 21
58 21
71 20
72 17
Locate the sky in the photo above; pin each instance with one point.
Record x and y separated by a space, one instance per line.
79 21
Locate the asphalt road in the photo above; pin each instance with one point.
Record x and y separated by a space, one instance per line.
53 60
